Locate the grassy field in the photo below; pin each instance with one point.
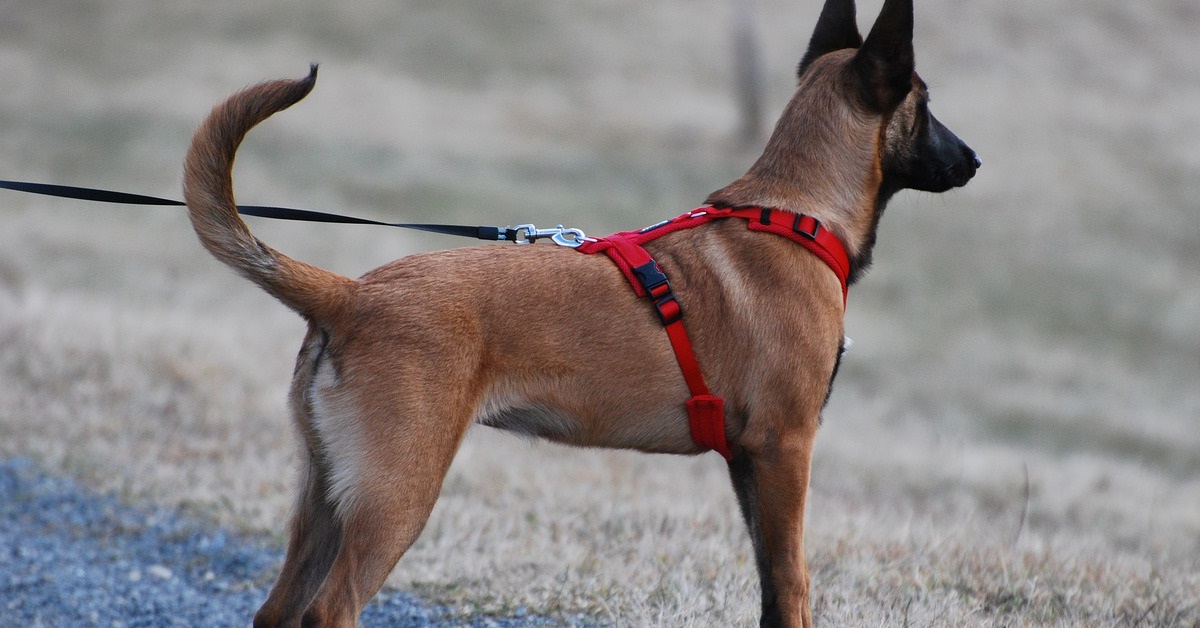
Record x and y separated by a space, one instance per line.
1014 438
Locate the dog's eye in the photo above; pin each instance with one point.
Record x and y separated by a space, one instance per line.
921 119
918 123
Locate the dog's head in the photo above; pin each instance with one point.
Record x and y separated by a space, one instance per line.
919 152
857 131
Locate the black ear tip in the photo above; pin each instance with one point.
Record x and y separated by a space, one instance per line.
836 29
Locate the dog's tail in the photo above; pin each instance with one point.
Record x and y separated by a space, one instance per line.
315 293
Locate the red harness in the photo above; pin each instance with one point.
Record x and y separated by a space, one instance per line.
706 412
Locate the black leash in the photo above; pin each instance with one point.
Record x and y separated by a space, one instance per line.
524 234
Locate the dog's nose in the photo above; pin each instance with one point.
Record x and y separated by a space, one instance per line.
971 155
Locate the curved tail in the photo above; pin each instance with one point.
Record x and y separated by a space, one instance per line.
315 293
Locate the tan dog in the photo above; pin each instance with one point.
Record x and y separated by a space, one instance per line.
398 364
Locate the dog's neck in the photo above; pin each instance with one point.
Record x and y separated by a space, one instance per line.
823 159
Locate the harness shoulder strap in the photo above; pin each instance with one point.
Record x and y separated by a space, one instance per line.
706 412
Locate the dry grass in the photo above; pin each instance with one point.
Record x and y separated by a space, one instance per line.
1012 440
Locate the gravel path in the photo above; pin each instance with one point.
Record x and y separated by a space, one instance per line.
69 557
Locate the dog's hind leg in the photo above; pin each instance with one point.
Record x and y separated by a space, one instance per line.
316 531
388 508
316 535
771 482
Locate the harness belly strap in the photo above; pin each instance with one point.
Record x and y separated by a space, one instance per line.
706 412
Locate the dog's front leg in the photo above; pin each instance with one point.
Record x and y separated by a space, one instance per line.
771 481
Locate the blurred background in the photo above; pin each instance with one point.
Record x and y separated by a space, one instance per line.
1027 349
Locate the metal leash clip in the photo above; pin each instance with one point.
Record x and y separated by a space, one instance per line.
560 235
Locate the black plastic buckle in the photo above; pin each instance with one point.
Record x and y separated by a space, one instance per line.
668 314
811 235
658 289
650 277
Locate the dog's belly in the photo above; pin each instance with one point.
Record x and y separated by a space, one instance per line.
533 420
651 431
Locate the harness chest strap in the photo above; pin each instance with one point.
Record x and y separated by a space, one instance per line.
706 412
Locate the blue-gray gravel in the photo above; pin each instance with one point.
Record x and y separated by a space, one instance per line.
70 557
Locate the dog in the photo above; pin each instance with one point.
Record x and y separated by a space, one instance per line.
397 364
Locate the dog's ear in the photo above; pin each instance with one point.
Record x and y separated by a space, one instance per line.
837 28
884 64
